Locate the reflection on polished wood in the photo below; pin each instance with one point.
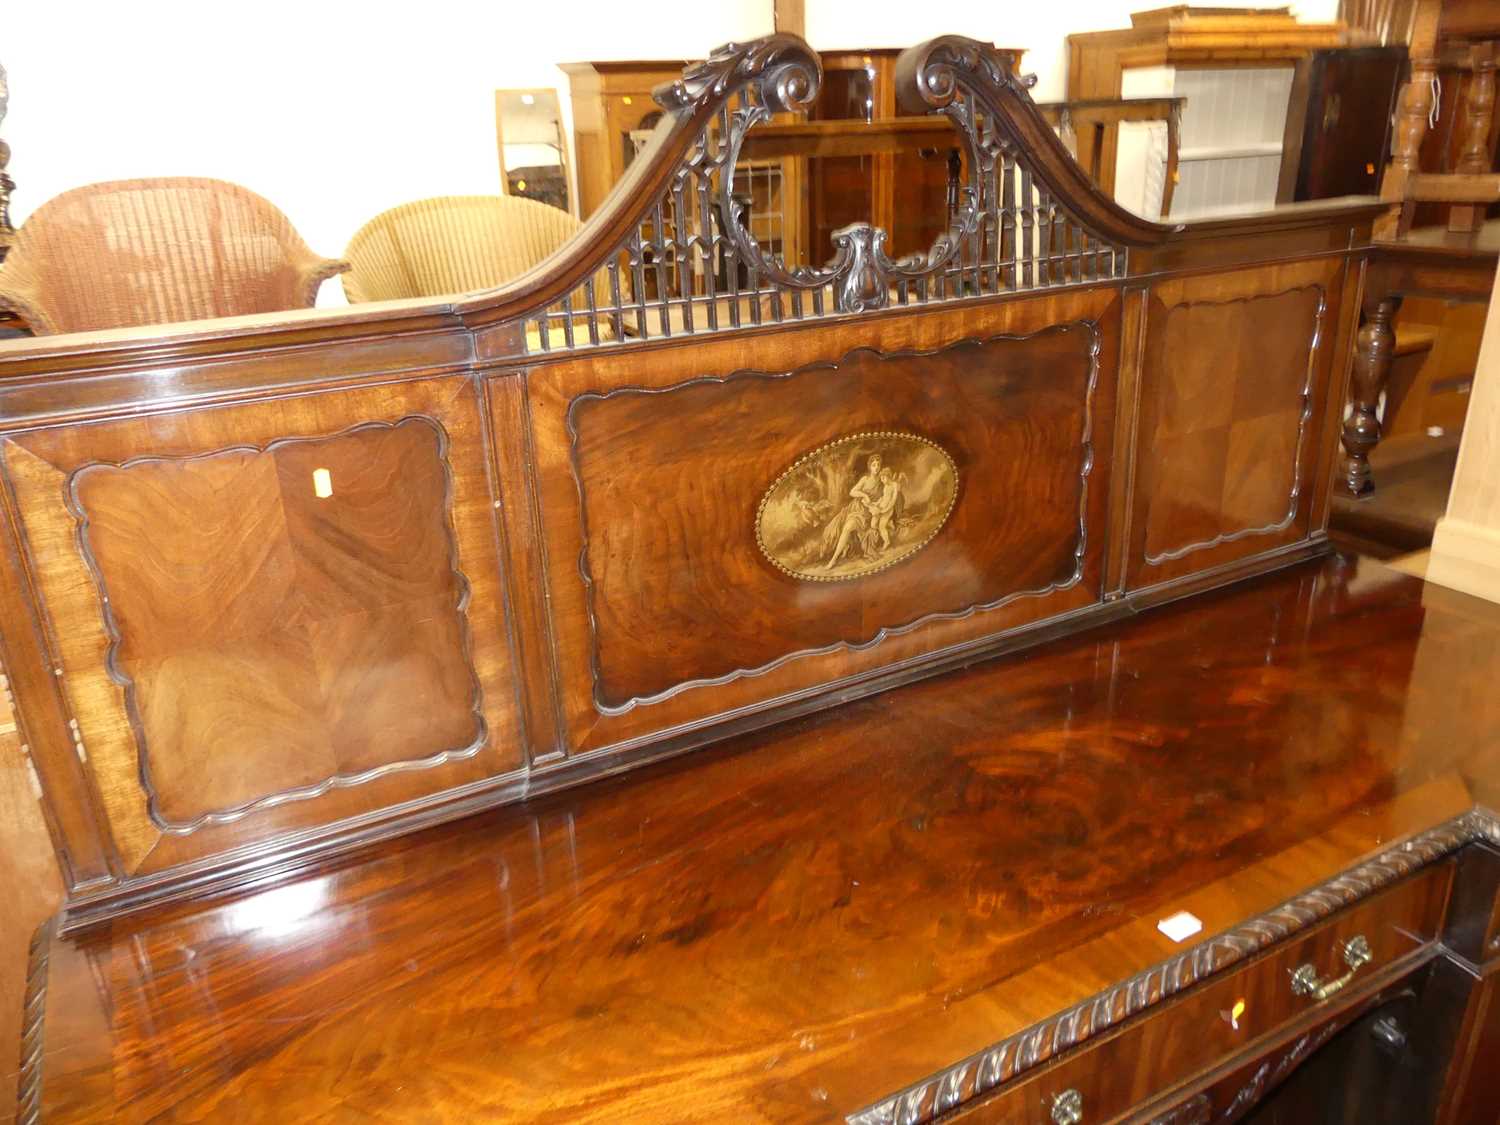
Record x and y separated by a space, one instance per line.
250 560
704 941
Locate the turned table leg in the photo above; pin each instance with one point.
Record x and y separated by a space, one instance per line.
1372 368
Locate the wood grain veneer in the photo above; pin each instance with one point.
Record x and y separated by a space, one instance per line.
803 923
816 398
278 591
541 566
290 612
670 474
1235 390
233 644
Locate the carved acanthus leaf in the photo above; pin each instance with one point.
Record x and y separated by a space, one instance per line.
786 74
931 75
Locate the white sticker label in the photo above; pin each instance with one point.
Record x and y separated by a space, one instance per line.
1180 926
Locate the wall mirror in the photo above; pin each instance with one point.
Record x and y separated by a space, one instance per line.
533 154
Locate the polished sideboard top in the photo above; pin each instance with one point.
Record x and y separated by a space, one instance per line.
801 924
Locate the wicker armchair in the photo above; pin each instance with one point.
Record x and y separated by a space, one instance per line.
452 244
135 252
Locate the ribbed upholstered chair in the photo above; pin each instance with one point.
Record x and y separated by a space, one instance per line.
135 252
452 244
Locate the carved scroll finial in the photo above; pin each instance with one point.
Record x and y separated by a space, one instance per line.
1019 214
784 69
939 75
928 76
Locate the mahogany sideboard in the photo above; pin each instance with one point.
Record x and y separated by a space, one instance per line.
316 623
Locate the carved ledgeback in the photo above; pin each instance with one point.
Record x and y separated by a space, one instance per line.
618 546
1025 216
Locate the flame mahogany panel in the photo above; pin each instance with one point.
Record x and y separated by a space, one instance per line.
1234 394
665 610
270 640
671 480
243 659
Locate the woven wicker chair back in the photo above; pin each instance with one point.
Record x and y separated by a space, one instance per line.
135 252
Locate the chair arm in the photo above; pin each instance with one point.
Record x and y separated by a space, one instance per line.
21 294
312 271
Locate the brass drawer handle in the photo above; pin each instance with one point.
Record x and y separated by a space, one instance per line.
1305 980
1067 1108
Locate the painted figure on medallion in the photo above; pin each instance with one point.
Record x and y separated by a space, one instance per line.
856 506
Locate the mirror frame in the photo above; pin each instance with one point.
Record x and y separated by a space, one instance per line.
563 139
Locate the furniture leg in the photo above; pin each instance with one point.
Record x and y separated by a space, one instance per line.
1372 368
1479 116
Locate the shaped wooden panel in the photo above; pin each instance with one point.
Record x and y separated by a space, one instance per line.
672 486
849 501
272 616
1234 387
283 619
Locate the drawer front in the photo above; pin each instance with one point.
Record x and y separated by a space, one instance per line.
1224 1016
1361 1073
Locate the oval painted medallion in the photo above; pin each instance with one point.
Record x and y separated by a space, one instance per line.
856 506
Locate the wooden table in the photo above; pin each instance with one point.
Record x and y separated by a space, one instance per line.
800 923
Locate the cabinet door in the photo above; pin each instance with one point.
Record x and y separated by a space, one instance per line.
1339 122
